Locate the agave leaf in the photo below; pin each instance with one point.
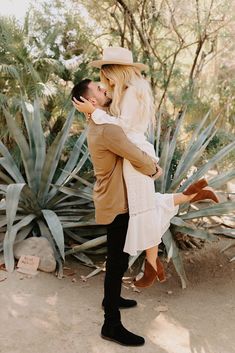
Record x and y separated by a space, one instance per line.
74 192
68 218
87 245
75 236
23 233
196 233
84 258
6 178
191 143
11 169
193 158
71 176
177 221
173 250
40 144
82 180
74 156
100 251
195 151
24 148
12 165
215 210
71 203
228 232
95 272
78 224
28 124
12 201
52 158
78 167
204 169
45 232
10 238
3 221
56 229
87 232
172 145
222 179
161 182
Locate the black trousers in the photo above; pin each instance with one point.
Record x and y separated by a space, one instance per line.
116 265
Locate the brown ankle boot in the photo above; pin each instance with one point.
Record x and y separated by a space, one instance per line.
205 195
160 271
150 275
196 187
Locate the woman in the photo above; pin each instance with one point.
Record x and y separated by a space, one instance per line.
132 108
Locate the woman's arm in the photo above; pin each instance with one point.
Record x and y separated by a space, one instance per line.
129 113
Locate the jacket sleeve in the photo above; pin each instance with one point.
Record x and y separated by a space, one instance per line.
116 141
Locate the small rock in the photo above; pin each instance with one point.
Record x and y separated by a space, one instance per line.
169 292
37 247
162 308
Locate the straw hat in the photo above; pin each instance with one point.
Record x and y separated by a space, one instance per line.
117 55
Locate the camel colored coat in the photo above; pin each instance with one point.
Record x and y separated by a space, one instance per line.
108 145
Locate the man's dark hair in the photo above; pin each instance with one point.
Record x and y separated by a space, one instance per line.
80 89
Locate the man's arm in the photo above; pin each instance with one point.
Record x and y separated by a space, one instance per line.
117 142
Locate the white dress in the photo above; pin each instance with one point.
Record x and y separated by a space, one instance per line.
150 212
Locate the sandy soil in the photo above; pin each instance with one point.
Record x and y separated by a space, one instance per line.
44 314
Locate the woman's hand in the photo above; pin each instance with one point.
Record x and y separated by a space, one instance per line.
159 172
85 107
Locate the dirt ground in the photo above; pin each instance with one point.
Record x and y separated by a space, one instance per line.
44 314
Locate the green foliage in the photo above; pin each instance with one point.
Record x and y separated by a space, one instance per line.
178 179
42 198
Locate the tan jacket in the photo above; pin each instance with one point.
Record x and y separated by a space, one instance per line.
108 145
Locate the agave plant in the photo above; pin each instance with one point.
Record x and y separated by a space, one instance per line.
41 199
178 181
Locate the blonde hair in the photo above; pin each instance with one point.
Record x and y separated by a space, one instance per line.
125 76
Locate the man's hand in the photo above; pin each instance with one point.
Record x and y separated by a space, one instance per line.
158 174
85 107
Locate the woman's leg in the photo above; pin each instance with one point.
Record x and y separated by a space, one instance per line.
151 256
181 198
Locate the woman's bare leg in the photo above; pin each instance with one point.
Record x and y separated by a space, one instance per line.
152 253
180 198
151 256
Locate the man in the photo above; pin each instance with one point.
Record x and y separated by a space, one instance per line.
108 145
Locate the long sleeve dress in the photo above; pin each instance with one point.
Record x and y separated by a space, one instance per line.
150 212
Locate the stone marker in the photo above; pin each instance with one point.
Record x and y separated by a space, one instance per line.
37 247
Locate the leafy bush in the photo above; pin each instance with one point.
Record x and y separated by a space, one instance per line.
43 199
178 181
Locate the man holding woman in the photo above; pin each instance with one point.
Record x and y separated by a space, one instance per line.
120 138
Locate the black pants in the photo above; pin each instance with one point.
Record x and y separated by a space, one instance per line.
116 265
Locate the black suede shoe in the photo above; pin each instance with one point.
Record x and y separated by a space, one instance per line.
124 303
120 335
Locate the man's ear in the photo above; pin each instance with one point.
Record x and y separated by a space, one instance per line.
92 100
